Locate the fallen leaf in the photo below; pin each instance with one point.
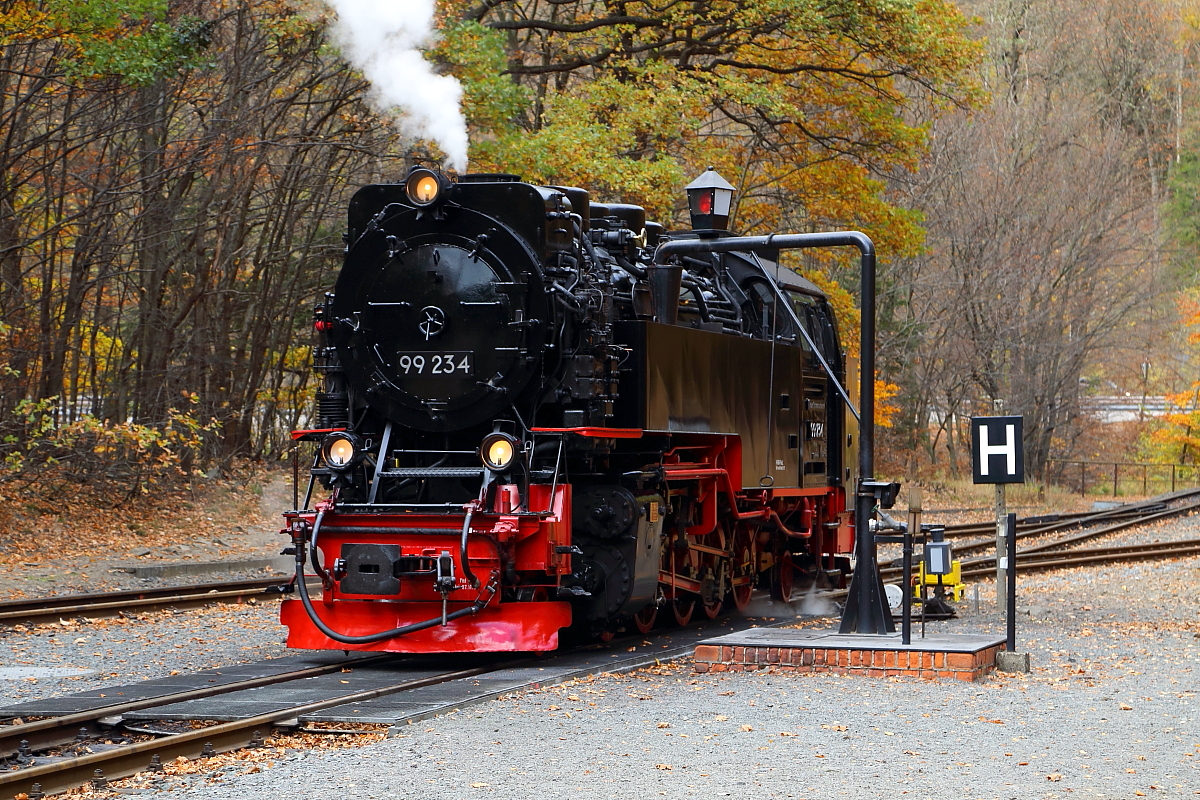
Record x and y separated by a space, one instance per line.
721 718
1022 763
1054 776
786 733
745 728
479 785
727 694
573 698
1140 794
667 767
1125 707
1131 771
81 640
664 724
553 708
818 755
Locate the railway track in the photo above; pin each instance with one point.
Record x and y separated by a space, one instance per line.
985 566
53 754
1091 556
1049 555
1057 521
58 731
112 604
65 738
1091 526
64 771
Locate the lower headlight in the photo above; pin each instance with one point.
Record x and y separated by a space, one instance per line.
341 450
499 451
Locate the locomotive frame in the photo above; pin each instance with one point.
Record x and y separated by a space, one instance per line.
616 421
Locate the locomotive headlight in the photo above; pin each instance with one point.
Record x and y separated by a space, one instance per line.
423 186
498 451
341 451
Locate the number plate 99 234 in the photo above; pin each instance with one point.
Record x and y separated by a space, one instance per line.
450 364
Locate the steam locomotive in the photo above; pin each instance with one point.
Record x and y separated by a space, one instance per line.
529 422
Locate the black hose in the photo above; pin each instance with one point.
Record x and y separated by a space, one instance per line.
699 265
627 265
462 550
474 608
568 299
701 305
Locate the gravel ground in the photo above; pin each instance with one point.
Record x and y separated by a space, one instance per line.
119 651
231 523
1110 711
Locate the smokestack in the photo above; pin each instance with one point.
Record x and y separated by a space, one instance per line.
666 280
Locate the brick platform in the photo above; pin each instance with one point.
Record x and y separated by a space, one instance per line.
964 657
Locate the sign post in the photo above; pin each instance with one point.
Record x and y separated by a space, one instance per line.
998 457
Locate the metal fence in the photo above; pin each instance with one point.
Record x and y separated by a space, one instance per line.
1116 478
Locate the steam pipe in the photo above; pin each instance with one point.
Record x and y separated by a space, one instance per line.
866 606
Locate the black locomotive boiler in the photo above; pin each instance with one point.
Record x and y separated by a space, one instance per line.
529 423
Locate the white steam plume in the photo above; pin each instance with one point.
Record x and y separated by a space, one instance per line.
382 38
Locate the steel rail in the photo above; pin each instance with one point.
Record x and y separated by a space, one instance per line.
1068 520
1088 534
130 759
55 731
980 567
1091 533
33 611
1060 521
1099 555
28 603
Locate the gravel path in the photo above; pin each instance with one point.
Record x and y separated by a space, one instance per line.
1110 711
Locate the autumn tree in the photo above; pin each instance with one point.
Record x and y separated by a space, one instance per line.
799 103
172 184
1044 255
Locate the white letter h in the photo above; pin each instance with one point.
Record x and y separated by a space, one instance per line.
1008 449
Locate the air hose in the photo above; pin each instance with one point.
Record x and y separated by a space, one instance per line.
474 608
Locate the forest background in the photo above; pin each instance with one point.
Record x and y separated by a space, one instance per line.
174 175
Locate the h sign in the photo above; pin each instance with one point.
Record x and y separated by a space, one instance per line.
997 450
